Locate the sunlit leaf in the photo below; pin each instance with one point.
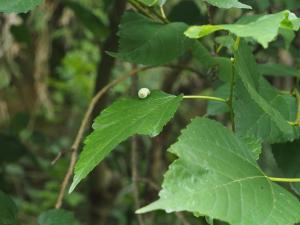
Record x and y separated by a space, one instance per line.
263 29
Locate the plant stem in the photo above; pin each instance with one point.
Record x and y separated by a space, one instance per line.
210 98
230 100
163 14
284 180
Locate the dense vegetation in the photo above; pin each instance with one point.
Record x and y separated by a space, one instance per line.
199 99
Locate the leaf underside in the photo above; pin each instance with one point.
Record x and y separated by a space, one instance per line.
263 29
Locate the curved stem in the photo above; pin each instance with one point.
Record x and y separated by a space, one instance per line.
205 98
284 180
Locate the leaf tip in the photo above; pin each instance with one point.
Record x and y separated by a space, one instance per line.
74 185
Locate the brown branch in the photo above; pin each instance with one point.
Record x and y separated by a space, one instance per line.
134 162
85 121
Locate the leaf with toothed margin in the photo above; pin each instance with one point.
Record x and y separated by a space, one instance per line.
120 121
216 175
18 6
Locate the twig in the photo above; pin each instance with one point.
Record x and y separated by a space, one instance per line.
135 175
134 161
85 121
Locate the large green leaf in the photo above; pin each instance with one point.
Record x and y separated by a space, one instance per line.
260 110
18 6
8 210
263 29
121 120
143 41
226 4
216 175
56 217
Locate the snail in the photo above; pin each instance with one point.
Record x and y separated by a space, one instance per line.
144 93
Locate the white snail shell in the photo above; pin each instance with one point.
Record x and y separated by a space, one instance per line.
144 93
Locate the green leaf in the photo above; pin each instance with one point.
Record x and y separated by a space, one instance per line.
263 29
216 108
278 70
153 2
18 6
287 156
216 175
8 210
143 41
121 120
56 217
260 110
148 2
226 4
222 65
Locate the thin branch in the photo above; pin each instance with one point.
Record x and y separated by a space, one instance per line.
284 180
230 100
135 175
85 121
209 98
135 160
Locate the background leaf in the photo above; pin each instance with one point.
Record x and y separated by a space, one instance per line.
143 41
8 210
287 156
56 217
18 6
121 120
205 179
278 70
226 4
148 2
